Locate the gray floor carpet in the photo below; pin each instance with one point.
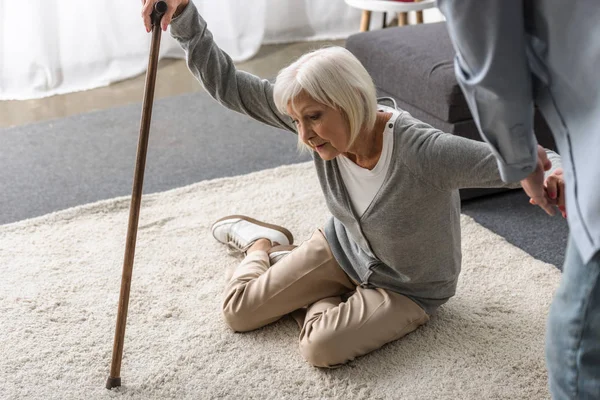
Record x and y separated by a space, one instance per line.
510 215
59 164
67 162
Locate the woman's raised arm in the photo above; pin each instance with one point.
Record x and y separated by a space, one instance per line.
237 90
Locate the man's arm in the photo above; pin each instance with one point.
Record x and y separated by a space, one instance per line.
491 67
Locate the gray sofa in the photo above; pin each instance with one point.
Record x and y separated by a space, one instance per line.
414 65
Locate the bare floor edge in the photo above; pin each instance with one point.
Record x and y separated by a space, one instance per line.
173 79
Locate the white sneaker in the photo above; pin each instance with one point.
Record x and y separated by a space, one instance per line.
240 232
276 253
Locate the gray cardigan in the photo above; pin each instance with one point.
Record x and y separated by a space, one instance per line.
408 240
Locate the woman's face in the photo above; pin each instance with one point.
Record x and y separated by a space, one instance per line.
322 128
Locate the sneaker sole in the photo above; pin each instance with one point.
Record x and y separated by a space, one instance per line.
281 229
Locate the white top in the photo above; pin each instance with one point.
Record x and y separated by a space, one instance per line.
362 184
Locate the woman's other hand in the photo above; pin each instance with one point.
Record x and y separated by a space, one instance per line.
555 190
555 187
174 8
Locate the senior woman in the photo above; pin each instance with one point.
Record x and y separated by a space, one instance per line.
391 253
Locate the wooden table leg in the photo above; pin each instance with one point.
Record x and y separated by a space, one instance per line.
419 14
419 17
365 21
402 19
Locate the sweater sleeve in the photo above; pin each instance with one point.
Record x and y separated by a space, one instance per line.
555 160
237 90
447 161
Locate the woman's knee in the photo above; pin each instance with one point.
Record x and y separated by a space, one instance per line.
234 315
321 349
234 322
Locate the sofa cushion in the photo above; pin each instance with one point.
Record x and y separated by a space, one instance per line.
415 64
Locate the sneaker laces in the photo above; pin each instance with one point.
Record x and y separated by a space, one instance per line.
235 246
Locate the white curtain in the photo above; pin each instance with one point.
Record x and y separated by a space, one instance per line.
50 47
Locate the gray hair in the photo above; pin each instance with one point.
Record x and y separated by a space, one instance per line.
334 77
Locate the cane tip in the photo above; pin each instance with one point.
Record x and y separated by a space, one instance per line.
113 382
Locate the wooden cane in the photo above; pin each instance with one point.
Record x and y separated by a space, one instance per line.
114 379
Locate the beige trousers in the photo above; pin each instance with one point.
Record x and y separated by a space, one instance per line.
341 320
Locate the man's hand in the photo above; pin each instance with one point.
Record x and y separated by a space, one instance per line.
174 8
534 183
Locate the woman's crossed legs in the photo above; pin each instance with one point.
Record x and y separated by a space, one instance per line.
342 320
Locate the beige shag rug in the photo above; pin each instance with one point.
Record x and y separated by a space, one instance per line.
59 287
